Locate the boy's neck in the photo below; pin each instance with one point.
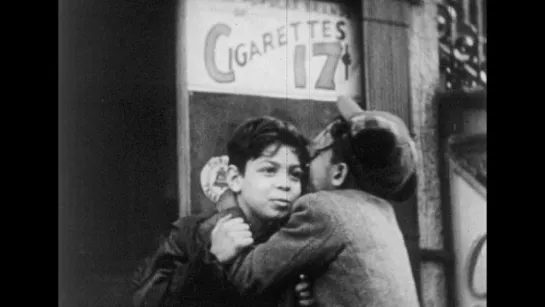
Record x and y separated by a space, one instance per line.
256 224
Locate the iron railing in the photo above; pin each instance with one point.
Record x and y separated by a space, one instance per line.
462 44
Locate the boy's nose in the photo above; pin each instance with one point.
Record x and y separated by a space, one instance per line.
283 184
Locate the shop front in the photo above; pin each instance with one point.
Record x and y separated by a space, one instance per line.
289 59
240 59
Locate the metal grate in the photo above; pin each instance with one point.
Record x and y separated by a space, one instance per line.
462 44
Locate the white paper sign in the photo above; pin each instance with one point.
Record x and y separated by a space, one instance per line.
469 212
284 48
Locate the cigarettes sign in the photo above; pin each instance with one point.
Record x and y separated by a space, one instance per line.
287 49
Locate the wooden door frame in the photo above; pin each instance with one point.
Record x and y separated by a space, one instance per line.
183 143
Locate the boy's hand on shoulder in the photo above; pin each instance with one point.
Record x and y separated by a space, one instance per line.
303 290
229 237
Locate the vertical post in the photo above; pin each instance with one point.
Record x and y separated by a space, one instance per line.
363 58
387 80
466 11
182 116
424 81
480 27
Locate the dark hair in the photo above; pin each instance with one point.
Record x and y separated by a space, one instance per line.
368 155
254 135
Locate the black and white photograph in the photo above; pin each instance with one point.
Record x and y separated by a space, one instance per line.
237 153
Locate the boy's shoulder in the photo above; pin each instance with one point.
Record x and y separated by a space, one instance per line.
316 206
322 198
208 224
227 204
331 200
191 233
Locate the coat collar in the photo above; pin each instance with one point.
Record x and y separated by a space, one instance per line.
228 201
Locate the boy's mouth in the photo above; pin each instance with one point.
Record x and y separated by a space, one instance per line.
281 202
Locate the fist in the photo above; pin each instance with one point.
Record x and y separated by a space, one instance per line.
229 237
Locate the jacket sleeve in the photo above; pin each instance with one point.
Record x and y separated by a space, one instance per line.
152 279
306 241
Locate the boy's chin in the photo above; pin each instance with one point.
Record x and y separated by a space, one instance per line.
276 216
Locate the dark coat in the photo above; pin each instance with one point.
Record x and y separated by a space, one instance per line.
182 271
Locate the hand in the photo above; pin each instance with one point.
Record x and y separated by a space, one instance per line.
303 292
229 237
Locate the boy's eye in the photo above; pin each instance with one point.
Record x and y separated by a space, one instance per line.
298 174
269 170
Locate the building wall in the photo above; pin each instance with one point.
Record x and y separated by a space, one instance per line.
424 81
436 115
117 135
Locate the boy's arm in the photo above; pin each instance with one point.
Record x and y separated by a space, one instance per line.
306 240
152 278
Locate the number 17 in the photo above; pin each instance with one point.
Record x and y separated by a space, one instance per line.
326 80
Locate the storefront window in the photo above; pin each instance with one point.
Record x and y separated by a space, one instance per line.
462 44
289 59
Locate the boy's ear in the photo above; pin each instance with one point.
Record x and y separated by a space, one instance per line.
338 174
234 178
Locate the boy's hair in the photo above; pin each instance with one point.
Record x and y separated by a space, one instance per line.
342 150
349 149
253 136
362 159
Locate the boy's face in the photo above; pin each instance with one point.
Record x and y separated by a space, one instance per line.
271 183
321 169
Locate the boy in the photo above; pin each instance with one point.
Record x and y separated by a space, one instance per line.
266 175
346 234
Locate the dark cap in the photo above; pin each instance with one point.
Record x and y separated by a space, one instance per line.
383 155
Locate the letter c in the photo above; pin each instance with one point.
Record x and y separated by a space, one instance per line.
209 54
474 256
